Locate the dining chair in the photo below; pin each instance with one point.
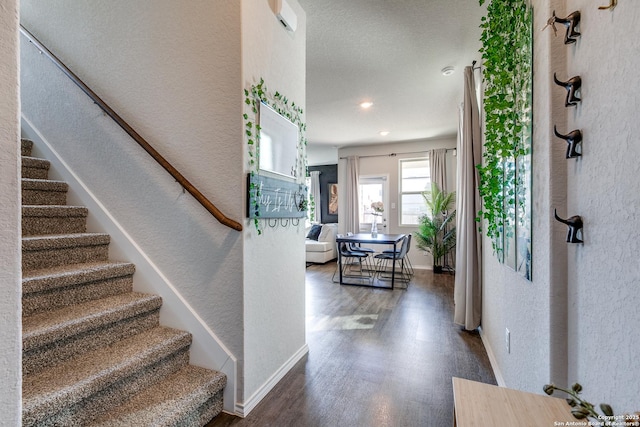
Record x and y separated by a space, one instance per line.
357 248
350 259
387 260
407 258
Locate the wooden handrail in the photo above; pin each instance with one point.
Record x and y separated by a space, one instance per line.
139 139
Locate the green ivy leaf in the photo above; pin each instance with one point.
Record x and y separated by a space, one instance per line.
606 409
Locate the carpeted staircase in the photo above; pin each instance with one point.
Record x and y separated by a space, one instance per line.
93 350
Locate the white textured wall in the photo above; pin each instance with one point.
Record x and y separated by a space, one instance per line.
274 262
603 187
385 165
173 72
577 320
10 273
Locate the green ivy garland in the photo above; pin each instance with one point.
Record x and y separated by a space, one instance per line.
252 97
506 56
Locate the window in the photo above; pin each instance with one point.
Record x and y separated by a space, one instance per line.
372 189
414 179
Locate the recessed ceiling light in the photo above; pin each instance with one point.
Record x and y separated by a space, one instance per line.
447 71
384 132
366 104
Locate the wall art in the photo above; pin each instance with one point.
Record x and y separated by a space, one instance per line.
506 170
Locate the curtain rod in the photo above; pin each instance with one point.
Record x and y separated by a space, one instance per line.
395 154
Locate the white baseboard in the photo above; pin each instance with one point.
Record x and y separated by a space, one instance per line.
242 410
492 359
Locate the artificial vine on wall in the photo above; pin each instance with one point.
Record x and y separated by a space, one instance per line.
253 96
506 54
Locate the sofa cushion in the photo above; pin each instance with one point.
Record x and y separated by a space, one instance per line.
328 233
314 232
314 246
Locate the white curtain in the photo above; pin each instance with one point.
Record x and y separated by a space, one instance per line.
352 213
468 281
438 168
314 190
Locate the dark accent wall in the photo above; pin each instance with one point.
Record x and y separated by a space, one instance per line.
328 175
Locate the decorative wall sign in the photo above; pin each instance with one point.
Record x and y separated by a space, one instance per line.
275 198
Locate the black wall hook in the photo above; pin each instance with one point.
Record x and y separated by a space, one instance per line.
573 138
574 223
570 22
572 86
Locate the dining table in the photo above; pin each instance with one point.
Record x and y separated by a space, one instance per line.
370 239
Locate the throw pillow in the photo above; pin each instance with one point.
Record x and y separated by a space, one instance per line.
314 232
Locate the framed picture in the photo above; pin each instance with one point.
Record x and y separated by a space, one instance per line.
332 206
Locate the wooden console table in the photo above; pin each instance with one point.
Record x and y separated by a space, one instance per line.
483 405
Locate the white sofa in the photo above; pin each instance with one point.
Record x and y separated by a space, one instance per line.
324 249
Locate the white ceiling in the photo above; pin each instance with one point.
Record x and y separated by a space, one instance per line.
389 52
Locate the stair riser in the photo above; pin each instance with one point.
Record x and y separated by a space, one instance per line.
59 351
34 226
35 173
210 409
37 302
43 197
48 258
99 315
103 400
26 146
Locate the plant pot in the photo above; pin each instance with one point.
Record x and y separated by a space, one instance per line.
437 269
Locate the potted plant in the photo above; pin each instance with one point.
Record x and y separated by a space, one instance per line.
436 232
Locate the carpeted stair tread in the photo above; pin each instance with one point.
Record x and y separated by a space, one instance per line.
53 219
44 192
44 185
177 400
44 251
58 241
35 162
33 167
61 386
53 210
73 274
44 328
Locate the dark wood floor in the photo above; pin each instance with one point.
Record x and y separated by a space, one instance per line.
376 358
